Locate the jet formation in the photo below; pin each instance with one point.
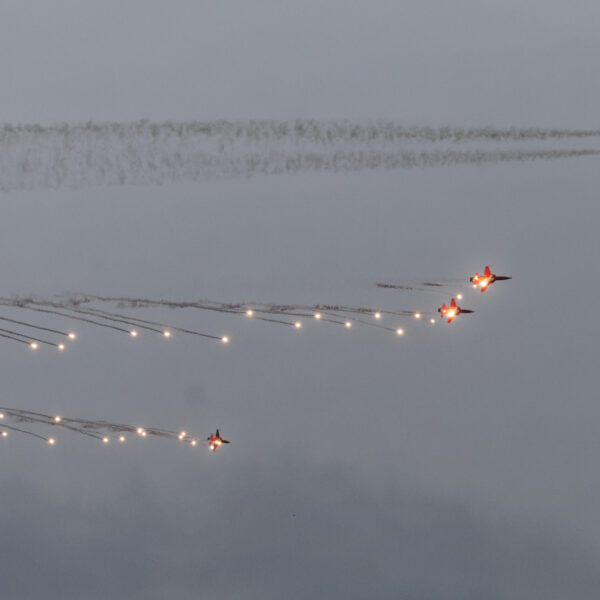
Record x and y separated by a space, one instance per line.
75 309
482 281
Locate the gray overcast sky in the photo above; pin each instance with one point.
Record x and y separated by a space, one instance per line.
457 462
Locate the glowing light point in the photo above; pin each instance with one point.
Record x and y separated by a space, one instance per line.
225 339
141 431
133 333
72 336
377 315
167 334
475 285
61 346
459 296
432 321
105 440
193 442
249 313
121 438
400 331
4 433
182 435
51 441
417 315
297 325
57 419
318 316
1 415
348 324
33 345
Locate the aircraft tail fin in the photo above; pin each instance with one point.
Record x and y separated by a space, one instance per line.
453 303
487 272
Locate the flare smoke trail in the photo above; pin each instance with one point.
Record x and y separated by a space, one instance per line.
291 310
97 429
73 312
78 156
81 308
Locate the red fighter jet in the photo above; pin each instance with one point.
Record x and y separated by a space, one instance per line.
485 280
214 441
452 311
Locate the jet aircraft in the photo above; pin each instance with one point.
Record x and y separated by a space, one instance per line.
452 311
485 280
215 440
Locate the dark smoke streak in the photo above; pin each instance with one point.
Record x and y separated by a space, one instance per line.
78 156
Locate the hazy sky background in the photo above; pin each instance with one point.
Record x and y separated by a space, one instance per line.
456 462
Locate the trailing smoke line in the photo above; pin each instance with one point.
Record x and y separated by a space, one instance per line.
39 327
78 156
14 339
29 338
426 288
313 131
97 429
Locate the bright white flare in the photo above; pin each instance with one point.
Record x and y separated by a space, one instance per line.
432 321
51 441
105 440
348 324
167 334
297 325
317 316
33 345
121 438
61 346
57 419
193 442
133 333
225 339
1 415
72 336
377 315
459 296
400 331
4 433
417 315
249 313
